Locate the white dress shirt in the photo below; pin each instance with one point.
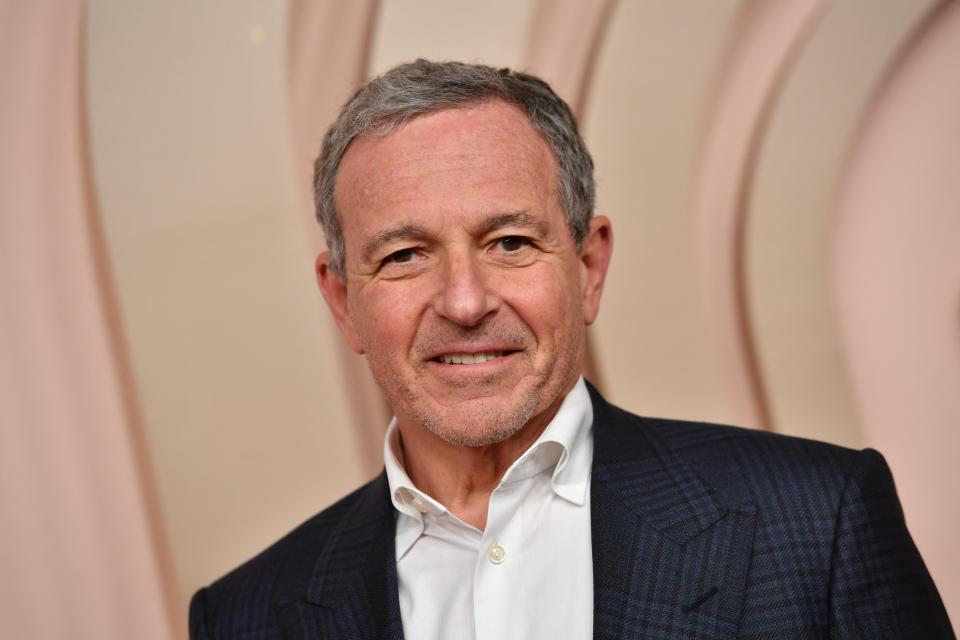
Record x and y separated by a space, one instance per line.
529 574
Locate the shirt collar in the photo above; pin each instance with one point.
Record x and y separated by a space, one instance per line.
406 497
566 445
410 502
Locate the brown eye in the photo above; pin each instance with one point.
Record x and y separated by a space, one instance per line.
511 244
404 255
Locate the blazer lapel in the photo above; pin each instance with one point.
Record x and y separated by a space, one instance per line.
352 592
669 560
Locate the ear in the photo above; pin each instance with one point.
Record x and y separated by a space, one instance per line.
594 259
334 291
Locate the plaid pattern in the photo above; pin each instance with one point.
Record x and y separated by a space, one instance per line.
698 531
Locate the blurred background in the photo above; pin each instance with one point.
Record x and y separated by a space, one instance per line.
783 178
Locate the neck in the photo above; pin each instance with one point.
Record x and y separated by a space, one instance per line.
462 478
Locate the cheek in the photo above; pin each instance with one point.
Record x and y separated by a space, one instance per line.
545 297
386 318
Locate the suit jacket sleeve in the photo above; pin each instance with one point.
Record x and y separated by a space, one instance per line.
879 585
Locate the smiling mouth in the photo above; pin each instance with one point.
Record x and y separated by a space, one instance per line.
470 358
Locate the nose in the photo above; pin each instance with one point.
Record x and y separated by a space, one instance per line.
464 296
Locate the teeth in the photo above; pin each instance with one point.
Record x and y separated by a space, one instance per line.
469 358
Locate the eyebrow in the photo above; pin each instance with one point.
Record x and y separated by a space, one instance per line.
406 232
512 219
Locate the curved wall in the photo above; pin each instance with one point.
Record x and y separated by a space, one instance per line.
743 289
232 351
896 276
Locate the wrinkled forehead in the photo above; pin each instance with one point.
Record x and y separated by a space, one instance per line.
490 144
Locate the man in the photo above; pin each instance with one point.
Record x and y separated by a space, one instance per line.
465 263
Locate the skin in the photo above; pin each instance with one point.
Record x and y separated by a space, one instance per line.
456 242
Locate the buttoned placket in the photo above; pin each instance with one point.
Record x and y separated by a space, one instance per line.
500 559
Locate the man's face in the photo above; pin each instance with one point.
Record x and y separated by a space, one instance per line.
463 285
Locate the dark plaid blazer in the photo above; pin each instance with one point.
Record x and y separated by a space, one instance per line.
699 531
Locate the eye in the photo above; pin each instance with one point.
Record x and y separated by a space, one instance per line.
401 256
512 244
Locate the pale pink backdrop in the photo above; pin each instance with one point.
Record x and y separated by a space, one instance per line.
160 420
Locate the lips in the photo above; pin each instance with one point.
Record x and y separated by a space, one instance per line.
454 345
469 358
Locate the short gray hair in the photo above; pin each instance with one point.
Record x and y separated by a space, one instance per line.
418 88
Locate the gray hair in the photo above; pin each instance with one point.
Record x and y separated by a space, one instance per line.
422 87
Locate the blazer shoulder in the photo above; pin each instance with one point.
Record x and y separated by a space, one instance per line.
687 435
830 554
738 463
247 597
690 438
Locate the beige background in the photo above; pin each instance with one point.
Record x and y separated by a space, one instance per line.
781 176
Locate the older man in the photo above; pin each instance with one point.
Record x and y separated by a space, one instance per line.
465 263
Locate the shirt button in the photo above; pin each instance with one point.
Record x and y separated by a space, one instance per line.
419 504
496 554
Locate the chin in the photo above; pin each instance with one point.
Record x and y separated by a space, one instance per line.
467 426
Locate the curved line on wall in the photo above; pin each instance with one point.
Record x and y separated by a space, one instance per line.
762 46
895 275
128 397
790 200
562 47
329 49
896 67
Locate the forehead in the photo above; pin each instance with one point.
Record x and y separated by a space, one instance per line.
486 155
